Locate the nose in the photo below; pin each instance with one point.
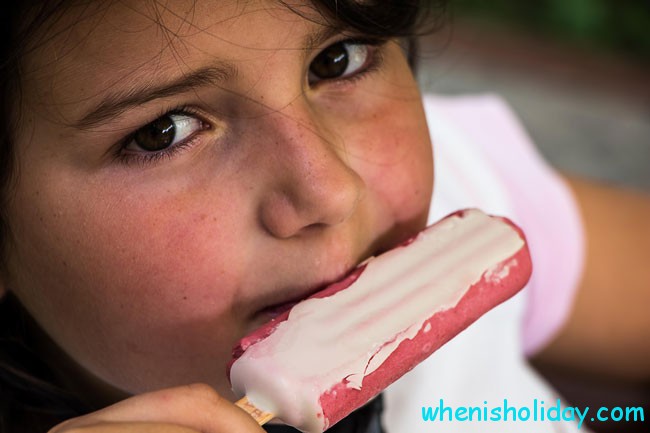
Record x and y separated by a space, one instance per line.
312 183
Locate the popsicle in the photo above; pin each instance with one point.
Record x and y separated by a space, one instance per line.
334 351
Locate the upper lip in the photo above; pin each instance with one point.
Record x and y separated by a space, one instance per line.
285 297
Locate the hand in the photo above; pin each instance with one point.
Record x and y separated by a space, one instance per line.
186 409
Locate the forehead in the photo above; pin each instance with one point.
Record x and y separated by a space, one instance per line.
107 44
141 26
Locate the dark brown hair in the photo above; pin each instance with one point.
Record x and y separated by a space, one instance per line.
30 398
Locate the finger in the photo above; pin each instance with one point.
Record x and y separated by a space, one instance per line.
130 427
195 406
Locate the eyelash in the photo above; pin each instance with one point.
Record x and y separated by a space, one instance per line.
147 158
376 58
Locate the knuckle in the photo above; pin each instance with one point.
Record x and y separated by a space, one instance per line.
73 429
206 394
71 425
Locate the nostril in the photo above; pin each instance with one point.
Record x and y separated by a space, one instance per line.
277 216
303 208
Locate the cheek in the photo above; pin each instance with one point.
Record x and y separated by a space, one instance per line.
132 278
132 249
395 159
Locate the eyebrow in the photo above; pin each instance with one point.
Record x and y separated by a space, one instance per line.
117 103
318 37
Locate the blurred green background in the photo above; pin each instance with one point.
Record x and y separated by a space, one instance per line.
576 72
622 26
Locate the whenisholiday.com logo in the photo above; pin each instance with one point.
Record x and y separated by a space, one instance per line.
538 410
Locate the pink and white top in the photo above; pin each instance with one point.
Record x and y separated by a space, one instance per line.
484 158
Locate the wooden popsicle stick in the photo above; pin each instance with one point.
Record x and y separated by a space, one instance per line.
258 415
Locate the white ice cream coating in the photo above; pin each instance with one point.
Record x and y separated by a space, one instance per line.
350 334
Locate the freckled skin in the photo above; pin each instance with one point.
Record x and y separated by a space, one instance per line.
147 275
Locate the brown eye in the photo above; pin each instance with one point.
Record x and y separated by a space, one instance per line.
338 60
164 132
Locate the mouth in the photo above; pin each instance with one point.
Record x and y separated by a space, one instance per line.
285 298
296 295
273 311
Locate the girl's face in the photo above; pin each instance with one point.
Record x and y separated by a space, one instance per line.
186 168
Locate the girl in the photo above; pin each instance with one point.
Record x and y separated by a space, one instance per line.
173 172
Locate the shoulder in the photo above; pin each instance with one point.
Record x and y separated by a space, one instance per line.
485 158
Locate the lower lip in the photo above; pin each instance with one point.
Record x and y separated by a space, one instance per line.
268 314
275 310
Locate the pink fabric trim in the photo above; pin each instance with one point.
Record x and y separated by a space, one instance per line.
545 208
